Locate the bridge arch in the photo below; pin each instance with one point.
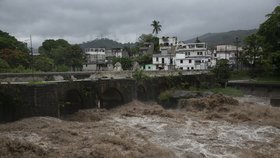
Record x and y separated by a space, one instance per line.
111 98
72 102
141 92
7 108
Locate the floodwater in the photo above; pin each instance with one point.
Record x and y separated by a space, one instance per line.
214 126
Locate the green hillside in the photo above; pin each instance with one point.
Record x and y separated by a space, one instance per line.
104 43
213 39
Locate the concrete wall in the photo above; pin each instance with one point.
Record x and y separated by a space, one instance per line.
271 90
92 75
61 98
18 101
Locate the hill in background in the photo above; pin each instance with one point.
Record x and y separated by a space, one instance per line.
213 39
105 43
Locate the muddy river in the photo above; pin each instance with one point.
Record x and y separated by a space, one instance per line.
214 126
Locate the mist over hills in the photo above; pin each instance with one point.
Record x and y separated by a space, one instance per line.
213 39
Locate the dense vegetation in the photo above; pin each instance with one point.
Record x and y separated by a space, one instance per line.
262 51
60 54
55 55
13 54
260 57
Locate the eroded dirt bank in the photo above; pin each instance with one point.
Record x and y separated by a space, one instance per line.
214 126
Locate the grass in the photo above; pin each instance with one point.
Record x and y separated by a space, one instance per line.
244 75
270 79
165 96
239 75
228 91
38 82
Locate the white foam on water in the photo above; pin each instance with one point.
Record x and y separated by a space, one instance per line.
210 138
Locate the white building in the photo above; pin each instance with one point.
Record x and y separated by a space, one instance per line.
179 55
184 62
96 59
168 44
193 56
149 67
117 52
147 48
164 61
226 52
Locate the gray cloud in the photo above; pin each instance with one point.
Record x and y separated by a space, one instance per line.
124 20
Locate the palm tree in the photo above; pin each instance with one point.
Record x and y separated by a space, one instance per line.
156 27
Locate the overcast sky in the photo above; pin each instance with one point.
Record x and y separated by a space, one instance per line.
125 20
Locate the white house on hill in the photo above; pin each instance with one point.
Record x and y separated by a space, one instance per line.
180 55
168 44
164 61
227 52
96 59
193 56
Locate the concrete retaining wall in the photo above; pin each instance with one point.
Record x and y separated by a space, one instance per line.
93 75
53 99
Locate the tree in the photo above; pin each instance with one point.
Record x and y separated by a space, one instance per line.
4 66
125 61
13 53
144 38
156 27
63 54
253 52
43 63
75 57
9 42
270 33
222 71
50 46
15 58
144 59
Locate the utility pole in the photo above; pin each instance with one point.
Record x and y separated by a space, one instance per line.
32 60
237 53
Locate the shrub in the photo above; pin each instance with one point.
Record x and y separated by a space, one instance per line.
139 75
165 96
4 66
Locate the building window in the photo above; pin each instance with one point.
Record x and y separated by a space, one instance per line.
190 61
156 58
199 53
215 55
171 61
149 67
188 68
192 68
181 61
181 68
189 53
162 60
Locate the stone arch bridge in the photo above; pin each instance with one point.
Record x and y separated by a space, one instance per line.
62 98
